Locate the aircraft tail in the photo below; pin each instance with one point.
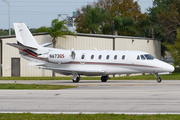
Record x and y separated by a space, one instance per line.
24 36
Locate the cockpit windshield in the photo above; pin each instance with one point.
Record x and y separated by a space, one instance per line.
149 57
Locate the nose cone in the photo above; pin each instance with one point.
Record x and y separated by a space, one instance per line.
168 67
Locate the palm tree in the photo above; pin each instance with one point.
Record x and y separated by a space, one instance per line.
57 29
124 26
94 16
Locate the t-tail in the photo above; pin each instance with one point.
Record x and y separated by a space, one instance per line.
27 45
24 38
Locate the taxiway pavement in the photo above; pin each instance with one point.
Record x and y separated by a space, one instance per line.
92 96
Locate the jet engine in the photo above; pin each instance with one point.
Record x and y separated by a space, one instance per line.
59 56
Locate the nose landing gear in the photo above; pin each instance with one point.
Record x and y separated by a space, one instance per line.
158 77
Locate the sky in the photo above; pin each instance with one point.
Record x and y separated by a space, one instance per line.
37 13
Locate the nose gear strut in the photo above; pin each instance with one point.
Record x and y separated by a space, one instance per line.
158 77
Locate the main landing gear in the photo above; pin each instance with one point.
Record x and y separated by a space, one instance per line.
75 78
104 78
158 77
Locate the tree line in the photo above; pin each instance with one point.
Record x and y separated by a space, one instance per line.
124 17
5 32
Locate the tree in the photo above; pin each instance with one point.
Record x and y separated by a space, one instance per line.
4 32
175 49
100 16
90 19
170 20
165 13
158 7
145 30
124 26
33 30
123 8
57 29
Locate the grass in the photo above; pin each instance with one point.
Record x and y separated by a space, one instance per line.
32 86
29 116
173 76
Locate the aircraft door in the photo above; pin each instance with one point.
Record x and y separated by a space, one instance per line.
83 57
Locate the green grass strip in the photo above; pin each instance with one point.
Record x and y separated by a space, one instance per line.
34 87
28 116
173 76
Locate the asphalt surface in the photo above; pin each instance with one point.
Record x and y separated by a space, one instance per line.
93 96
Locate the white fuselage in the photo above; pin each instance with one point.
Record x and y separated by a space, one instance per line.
86 62
111 62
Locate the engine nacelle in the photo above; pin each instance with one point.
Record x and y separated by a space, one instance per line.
61 56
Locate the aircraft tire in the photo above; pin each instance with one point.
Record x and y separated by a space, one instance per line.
104 79
159 80
77 80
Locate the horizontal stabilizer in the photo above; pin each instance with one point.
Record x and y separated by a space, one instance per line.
19 46
46 44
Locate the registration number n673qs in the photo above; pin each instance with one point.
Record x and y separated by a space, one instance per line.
56 55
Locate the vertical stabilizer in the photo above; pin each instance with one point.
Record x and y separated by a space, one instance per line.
24 36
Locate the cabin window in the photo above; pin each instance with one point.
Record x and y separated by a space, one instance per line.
138 58
149 57
115 57
100 56
83 56
107 57
142 57
123 57
92 56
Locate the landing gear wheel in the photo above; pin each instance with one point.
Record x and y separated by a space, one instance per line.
77 80
104 78
158 79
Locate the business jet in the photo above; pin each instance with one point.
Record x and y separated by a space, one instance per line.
86 62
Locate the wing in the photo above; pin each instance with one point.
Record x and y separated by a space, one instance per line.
80 72
36 63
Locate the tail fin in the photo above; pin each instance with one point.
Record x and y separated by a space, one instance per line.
24 36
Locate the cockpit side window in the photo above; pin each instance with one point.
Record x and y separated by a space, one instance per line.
149 57
138 58
142 57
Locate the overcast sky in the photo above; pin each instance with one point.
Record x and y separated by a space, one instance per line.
37 13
